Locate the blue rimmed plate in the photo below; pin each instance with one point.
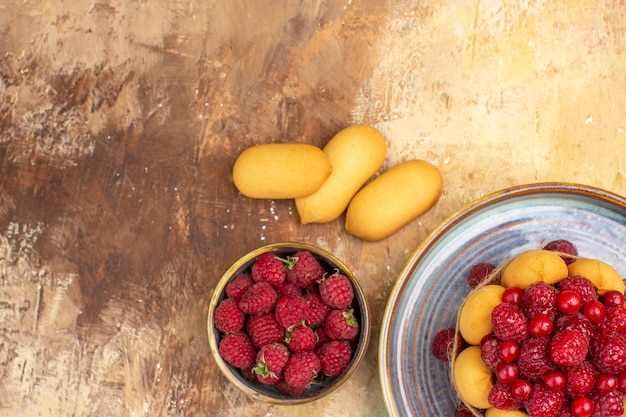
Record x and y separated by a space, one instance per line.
432 285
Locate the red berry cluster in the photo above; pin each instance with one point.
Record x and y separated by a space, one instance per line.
288 322
558 351
555 350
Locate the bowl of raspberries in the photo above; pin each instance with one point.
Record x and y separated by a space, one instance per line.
288 323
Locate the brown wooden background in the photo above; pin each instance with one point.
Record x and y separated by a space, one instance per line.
120 121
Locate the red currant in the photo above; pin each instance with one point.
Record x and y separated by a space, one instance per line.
613 299
554 380
507 372
512 295
581 406
508 350
521 389
594 311
569 301
606 383
540 325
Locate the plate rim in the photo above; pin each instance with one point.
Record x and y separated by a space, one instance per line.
440 230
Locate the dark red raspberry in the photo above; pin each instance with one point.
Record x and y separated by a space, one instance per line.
445 343
259 298
290 311
581 285
614 321
581 379
318 309
237 350
479 272
228 316
607 405
284 387
462 410
336 291
490 352
534 358
502 398
544 402
577 322
334 357
301 369
264 329
539 298
270 362
567 248
287 289
608 352
321 336
613 298
568 347
269 268
238 285
301 338
341 325
509 323
304 269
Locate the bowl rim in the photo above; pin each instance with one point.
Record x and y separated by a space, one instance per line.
243 262
440 230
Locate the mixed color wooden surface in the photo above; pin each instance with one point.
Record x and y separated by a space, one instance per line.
120 122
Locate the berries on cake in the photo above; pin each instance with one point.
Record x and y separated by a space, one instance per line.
543 334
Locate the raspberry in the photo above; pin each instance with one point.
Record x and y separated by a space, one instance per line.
607 405
269 268
564 246
304 269
613 298
577 322
228 316
614 321
334 357
264 329
609 353
509 323
270 361
290 311
259 298
581 378
581 285
568 347
318 309
287 289
544 402
321 336
341 325
490 352
238 285
301 338
534 360
301 369
443 345
539 298
336 291
237 350
502 398
463 411
479 272
284 387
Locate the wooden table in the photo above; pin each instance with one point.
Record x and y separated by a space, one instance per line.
120 122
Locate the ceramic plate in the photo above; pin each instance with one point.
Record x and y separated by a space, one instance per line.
427 294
